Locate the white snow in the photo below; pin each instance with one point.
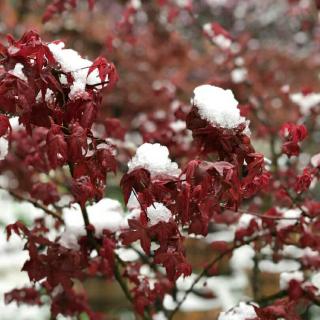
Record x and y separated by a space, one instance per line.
4 148
242 258
315 160
239 75
107 214
178 125
133 214
159 316
15 125
295 252
243 311
315 280
246 219
133 202
218 106
286 277
305 101
284 265
219 40
71 61
158 213
155 159
216 2
136 4
49 96
17 72
291 216
127 255
182 3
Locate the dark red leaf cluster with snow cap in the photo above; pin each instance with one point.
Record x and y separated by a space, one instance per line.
56 89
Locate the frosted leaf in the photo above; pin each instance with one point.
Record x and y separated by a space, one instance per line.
243 311
155 159
218 106
158 213
17 72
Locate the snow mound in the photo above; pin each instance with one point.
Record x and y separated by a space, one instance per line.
218 106
155 159
71 62
158 213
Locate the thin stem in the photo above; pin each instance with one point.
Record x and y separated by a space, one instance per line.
21 197
118 261
274 154
122 283
265 216
208 267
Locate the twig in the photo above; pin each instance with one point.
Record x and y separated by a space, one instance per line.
96 246
208 267
37 204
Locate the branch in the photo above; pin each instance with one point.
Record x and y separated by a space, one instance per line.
37 204
265 216
208 267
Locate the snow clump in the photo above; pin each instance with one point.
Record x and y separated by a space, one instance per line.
155 159
157 212
218 106
71 62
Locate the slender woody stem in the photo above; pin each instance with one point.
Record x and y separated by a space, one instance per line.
208 267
